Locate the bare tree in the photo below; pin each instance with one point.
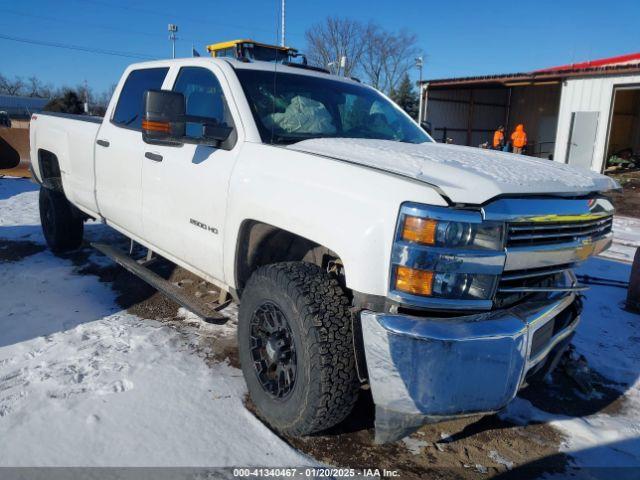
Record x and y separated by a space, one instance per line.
105 97
382 57
11 87
334 38
36 88
388 57
373 56
46 90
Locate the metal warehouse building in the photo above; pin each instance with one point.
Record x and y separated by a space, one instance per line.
580 114
21 107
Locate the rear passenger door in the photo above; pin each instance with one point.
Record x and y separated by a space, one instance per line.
119 153
185 187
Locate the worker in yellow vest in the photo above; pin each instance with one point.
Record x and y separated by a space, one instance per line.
519 139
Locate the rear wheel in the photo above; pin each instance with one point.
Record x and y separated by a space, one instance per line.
62 225
296 347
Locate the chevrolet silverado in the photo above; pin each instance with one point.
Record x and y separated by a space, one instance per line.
362 253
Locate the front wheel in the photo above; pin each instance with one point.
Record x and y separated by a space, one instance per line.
62 226
296 347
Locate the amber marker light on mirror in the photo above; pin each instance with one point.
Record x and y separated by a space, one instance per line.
419 230
156 126
416 282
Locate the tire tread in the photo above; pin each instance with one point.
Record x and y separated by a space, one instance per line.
326 323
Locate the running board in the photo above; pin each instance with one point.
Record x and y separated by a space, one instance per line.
209 315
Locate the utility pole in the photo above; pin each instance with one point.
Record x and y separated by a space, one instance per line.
172 36
86 97
282 43
419 64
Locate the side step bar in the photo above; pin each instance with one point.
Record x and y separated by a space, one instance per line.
207 314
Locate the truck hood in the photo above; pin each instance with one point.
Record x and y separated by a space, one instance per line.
463 174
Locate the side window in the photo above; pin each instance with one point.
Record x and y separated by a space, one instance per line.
203 97
227 52
128 111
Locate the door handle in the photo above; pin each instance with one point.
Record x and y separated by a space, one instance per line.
103 143
153 156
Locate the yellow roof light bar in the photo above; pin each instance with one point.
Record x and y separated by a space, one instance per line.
233 43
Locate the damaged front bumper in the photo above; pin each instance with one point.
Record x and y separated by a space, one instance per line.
423 370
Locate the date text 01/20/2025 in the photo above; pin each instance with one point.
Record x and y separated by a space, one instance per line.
314 472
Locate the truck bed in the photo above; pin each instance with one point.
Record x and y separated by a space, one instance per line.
73 116
71 138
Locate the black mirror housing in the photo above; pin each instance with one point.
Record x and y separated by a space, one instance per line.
163 120
216 132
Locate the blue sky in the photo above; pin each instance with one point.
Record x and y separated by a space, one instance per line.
458 37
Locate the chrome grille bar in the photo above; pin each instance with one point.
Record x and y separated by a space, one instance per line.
558 278
532 273
555 225
573 233
549 233
573 288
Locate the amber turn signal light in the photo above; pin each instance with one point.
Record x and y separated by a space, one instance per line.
156 126
416 282
419 230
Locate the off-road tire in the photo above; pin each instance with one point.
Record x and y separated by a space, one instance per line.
317 310
62 225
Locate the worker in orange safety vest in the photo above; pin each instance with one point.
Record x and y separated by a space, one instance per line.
498 138
519 139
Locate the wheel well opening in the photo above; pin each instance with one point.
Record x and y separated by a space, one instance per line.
262 244
49 166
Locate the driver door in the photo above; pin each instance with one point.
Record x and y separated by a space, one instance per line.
185 187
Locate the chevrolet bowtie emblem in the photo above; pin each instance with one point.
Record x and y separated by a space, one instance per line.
585 250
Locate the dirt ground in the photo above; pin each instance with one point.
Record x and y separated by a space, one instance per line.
475 447
627 202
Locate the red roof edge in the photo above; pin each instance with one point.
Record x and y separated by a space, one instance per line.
593 63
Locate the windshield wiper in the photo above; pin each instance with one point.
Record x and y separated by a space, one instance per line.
291 139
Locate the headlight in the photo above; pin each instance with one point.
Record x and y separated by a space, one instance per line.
460 286
446 258
443 233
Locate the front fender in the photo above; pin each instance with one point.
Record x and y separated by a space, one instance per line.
347 208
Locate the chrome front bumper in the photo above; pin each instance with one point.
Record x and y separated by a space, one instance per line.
423 370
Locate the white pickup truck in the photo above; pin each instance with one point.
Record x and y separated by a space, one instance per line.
362 253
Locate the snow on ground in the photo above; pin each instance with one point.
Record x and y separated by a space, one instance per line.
85 384
626 233
19 209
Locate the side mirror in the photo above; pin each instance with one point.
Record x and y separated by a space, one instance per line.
163 120
216 132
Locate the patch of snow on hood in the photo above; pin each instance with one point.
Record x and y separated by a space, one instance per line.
464 174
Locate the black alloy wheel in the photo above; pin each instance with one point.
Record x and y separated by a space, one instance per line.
273 351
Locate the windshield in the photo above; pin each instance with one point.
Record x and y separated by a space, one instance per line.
289 108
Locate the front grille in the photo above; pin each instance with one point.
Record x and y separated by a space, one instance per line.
523 234
531 277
